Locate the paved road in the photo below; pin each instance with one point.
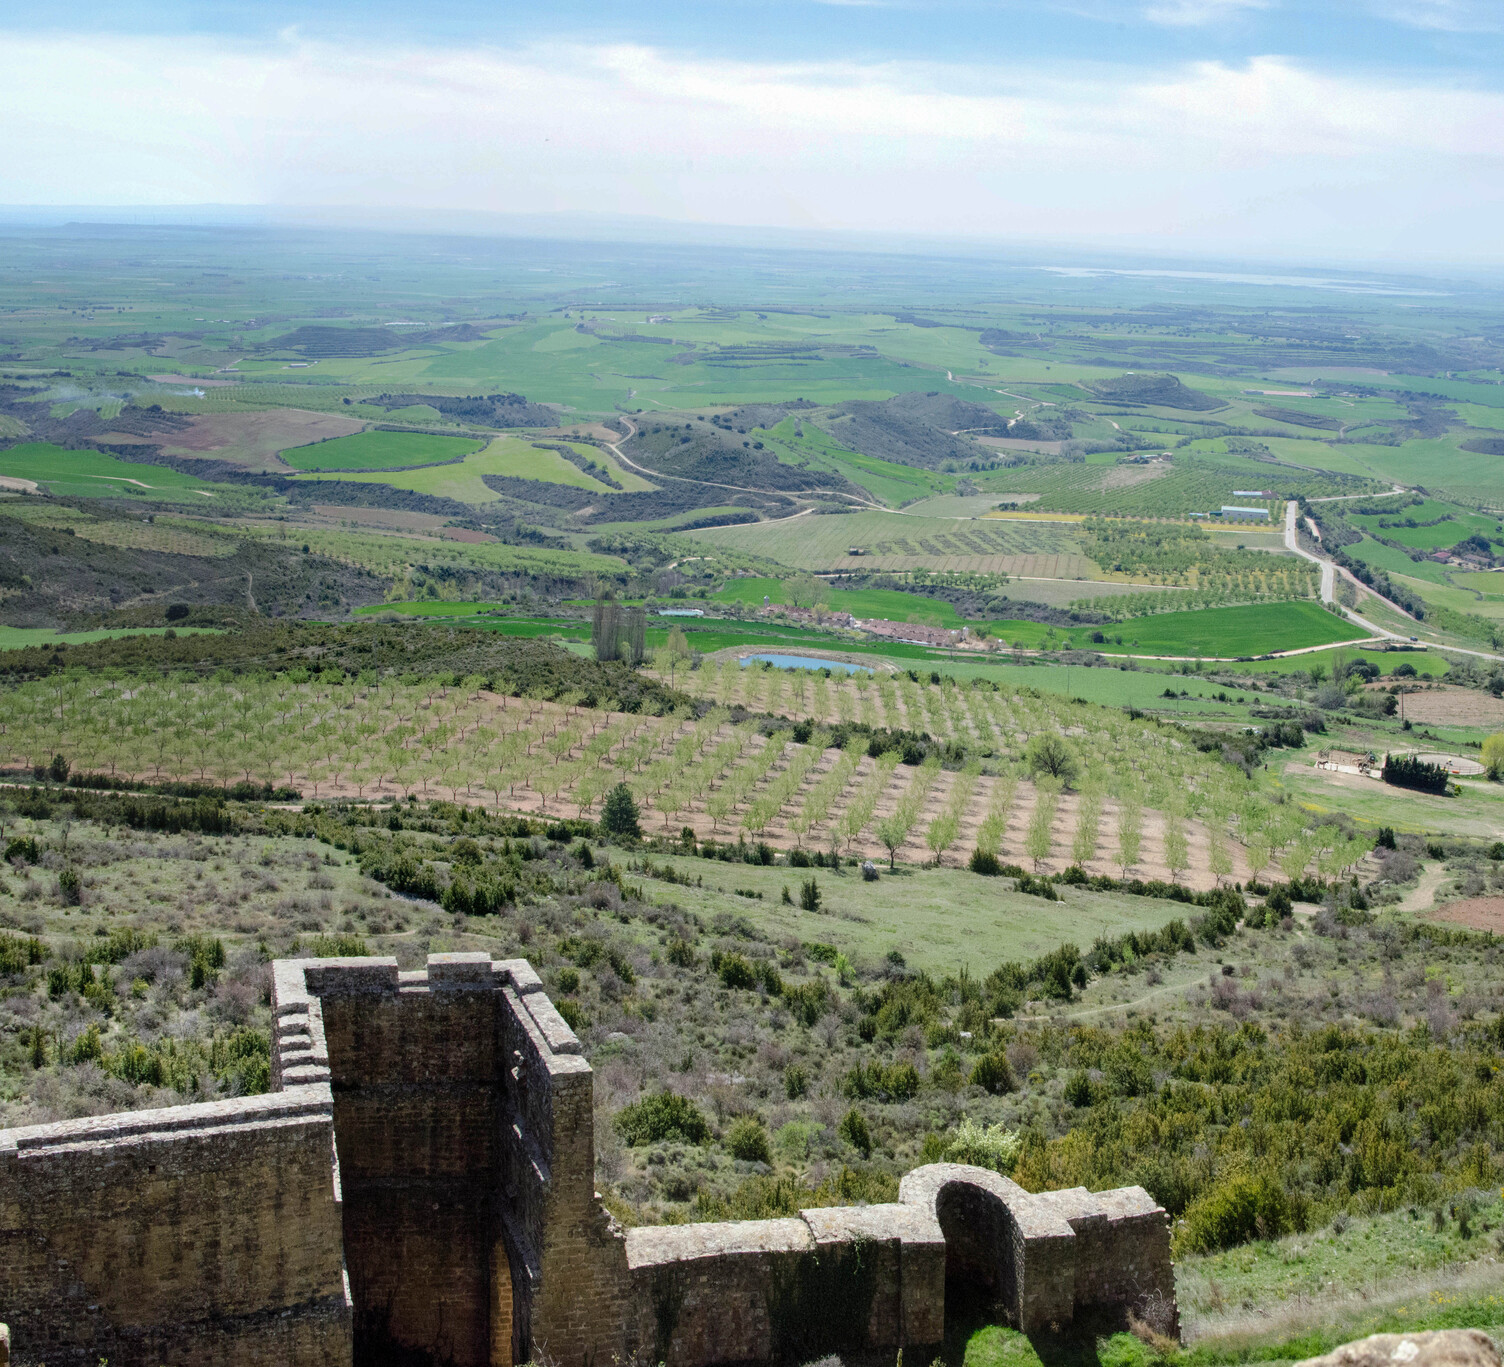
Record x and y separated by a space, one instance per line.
1328 595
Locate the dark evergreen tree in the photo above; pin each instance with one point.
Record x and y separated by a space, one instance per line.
619 812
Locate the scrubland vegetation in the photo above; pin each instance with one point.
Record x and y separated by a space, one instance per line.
811 928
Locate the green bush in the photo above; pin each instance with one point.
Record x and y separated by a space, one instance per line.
795 1081
1240 1207
1128 1072
747 1141
664 1115
985 863
946 1074
17 955
874 1082
853 1129
1078 1089
23 847
983 1146
807 1002
735 972
993 1074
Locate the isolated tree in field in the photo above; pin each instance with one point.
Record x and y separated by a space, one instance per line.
892 831
1493 756
805 591
1048 754
619 814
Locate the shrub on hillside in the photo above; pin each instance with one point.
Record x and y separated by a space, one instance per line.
663 1115
983 1146
985 863
855 1131
993 1074
747 1141
1241 1207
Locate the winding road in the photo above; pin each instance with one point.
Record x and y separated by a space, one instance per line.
1329 572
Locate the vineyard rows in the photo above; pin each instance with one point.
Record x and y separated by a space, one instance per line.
163 534
1142 800
1191 485
394 555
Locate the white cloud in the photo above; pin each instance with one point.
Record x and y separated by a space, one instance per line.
1199 13
1268 154
1444 16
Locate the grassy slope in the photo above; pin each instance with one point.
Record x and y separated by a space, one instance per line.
939 918
378 451
15 638
505 456
1378 556
91 474
821 542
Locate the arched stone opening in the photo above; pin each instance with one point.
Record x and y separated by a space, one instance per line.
980 1271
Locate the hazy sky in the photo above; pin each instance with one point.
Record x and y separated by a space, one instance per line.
1323 129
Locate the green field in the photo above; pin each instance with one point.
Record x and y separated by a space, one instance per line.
422 609
1253 629
897 541
1378 556
892 604
17 638
379 451
1458 526
92 474
940 918
513 456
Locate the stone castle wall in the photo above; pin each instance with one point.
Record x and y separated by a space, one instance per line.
420 1186
200 1233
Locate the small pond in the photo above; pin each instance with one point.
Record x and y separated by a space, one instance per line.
805 662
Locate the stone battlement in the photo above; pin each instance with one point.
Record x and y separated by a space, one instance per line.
420 1183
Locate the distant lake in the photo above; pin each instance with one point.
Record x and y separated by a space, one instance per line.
804 662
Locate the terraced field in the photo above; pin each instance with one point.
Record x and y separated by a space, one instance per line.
896 541
162 534
1190 485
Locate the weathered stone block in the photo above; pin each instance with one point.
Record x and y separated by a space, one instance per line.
1440 1348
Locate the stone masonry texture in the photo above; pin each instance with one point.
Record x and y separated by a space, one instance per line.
419 1187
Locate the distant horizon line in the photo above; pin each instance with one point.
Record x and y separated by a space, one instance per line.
644 229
